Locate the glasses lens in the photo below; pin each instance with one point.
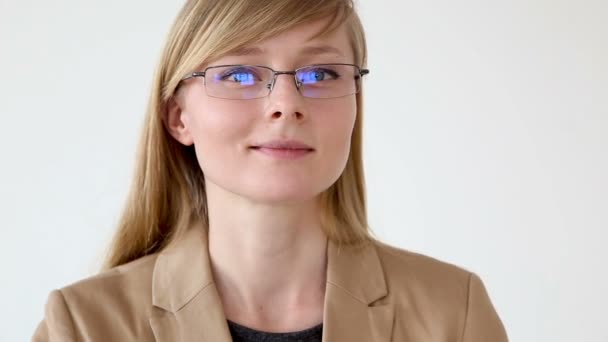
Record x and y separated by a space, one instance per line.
237 81
328 80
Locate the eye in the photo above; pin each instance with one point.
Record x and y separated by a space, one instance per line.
317 74
241 75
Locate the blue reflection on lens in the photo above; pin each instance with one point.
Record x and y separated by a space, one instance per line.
311 76
243 78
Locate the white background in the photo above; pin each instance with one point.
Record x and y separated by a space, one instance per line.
486 136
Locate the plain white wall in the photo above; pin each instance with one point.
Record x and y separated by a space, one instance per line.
485 145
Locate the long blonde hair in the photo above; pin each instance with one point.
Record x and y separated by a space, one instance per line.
168 188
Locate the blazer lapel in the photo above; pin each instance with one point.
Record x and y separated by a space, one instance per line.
201 320
187 304
355 284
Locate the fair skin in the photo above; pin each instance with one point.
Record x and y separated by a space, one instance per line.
266 245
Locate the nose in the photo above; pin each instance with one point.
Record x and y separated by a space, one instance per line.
285 99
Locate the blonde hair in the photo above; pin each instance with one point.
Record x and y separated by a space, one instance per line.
168 188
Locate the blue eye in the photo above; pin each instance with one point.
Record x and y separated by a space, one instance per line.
312 76
241 76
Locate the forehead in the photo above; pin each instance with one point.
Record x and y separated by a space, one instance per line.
303 40
311 49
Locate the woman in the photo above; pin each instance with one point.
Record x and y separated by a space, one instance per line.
247 217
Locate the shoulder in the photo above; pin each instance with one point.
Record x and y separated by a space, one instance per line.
124 283
403 263
430 283
97 305
445 297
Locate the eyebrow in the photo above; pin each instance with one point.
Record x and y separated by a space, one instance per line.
310 50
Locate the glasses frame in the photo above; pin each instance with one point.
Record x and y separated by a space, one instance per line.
360 72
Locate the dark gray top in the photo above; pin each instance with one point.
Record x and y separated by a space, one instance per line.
242 333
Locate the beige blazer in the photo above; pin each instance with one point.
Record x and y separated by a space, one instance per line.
375 294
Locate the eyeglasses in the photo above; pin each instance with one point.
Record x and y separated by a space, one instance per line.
245 82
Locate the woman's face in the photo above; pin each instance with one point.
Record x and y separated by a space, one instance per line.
223 131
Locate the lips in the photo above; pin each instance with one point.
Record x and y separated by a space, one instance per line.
283 153
284 145
281 148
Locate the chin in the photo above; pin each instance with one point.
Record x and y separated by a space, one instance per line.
281 197
278 191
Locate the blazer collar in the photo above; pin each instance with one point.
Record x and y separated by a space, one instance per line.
182 270
182 284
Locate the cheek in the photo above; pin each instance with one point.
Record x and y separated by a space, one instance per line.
219 133
220 120
338 128
336 131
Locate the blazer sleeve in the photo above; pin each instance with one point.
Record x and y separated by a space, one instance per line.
482 323
57 324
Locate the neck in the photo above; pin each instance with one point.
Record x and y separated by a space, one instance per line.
269 262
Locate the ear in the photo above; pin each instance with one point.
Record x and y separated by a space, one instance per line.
177 123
